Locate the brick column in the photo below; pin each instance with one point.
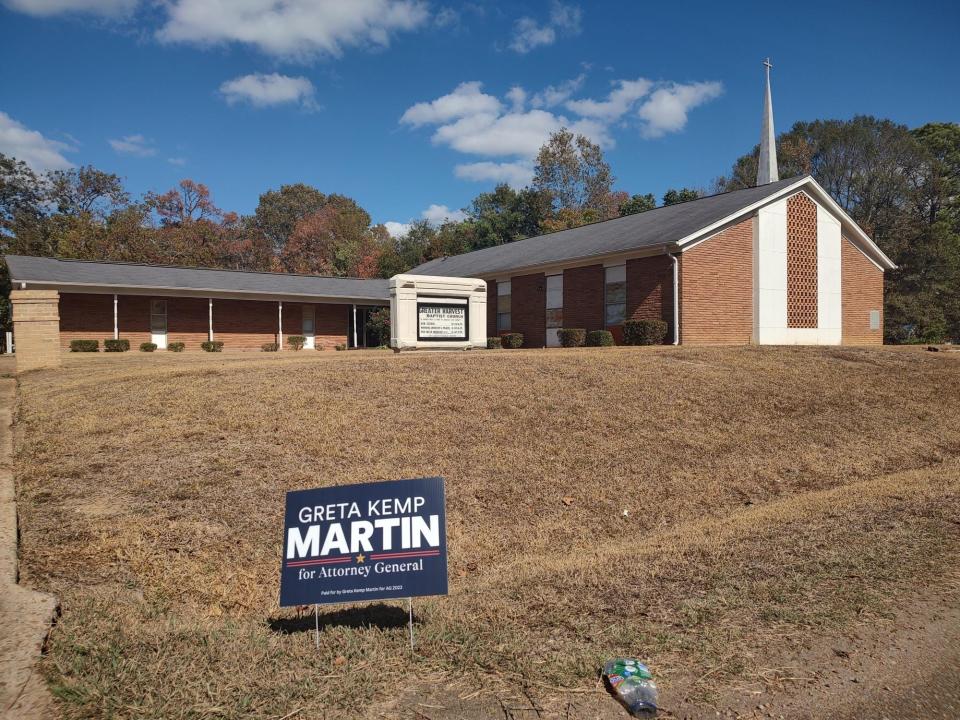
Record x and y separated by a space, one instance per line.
36 328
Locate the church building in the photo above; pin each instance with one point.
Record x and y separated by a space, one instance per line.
776 264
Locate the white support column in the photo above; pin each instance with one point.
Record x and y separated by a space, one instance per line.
280 325
210 319
116 327
355 327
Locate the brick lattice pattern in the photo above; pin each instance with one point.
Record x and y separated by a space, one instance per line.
802 274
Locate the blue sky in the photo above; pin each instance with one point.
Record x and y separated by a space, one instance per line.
411 107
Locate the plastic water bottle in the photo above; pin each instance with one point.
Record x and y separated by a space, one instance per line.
631 683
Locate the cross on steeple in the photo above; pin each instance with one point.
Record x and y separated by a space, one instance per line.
767 167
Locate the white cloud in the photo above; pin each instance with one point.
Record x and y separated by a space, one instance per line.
136 145
515 174
618 102
517 97
37 151
397 229
46 8
297 29
553 95
529 34
437 214
666 109
467 99
262 90
515 133
446 17
179 161
507 134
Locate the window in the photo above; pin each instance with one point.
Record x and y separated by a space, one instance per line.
158 316
615 295
503 306
554 309
554 301
874 319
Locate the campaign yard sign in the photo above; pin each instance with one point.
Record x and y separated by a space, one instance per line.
364 542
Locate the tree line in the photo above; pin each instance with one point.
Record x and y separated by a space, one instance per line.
902 186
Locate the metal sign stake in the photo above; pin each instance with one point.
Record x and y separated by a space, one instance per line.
316 625
410 611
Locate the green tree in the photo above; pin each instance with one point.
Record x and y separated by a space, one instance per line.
672 197
637 204
86 190
505 215
573 170
279 211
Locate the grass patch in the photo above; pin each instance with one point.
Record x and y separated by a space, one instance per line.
691 506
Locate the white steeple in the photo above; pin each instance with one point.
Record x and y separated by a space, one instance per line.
767 167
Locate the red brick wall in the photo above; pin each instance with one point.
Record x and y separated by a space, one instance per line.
240 324
583 289
292 321
133 319
331 324
528 307
861 288
650 290
187 321
85 317
492 308
245 324
716 288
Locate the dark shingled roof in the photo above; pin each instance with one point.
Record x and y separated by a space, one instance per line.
57 272
633 232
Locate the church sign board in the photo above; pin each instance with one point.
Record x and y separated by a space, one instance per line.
443 320
370 541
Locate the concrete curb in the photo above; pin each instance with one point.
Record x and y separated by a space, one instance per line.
26 616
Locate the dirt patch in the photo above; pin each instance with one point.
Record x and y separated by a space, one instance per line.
701 508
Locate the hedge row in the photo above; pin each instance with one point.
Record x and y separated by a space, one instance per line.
123 345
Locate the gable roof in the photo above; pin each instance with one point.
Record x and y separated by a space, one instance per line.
667 228
65 273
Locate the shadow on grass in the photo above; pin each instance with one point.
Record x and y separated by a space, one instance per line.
379 615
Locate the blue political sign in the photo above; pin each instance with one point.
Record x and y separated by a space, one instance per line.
364 542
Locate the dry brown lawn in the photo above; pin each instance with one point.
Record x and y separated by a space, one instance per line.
694 507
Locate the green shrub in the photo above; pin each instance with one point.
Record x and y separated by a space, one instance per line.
111 345
84 345
494 343
296 341
212 345
270 347
379 324
341 346
599 338
511 340
176 347
572 337
148 347
644 332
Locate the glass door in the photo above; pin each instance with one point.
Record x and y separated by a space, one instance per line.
554 309
309 327
158 323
